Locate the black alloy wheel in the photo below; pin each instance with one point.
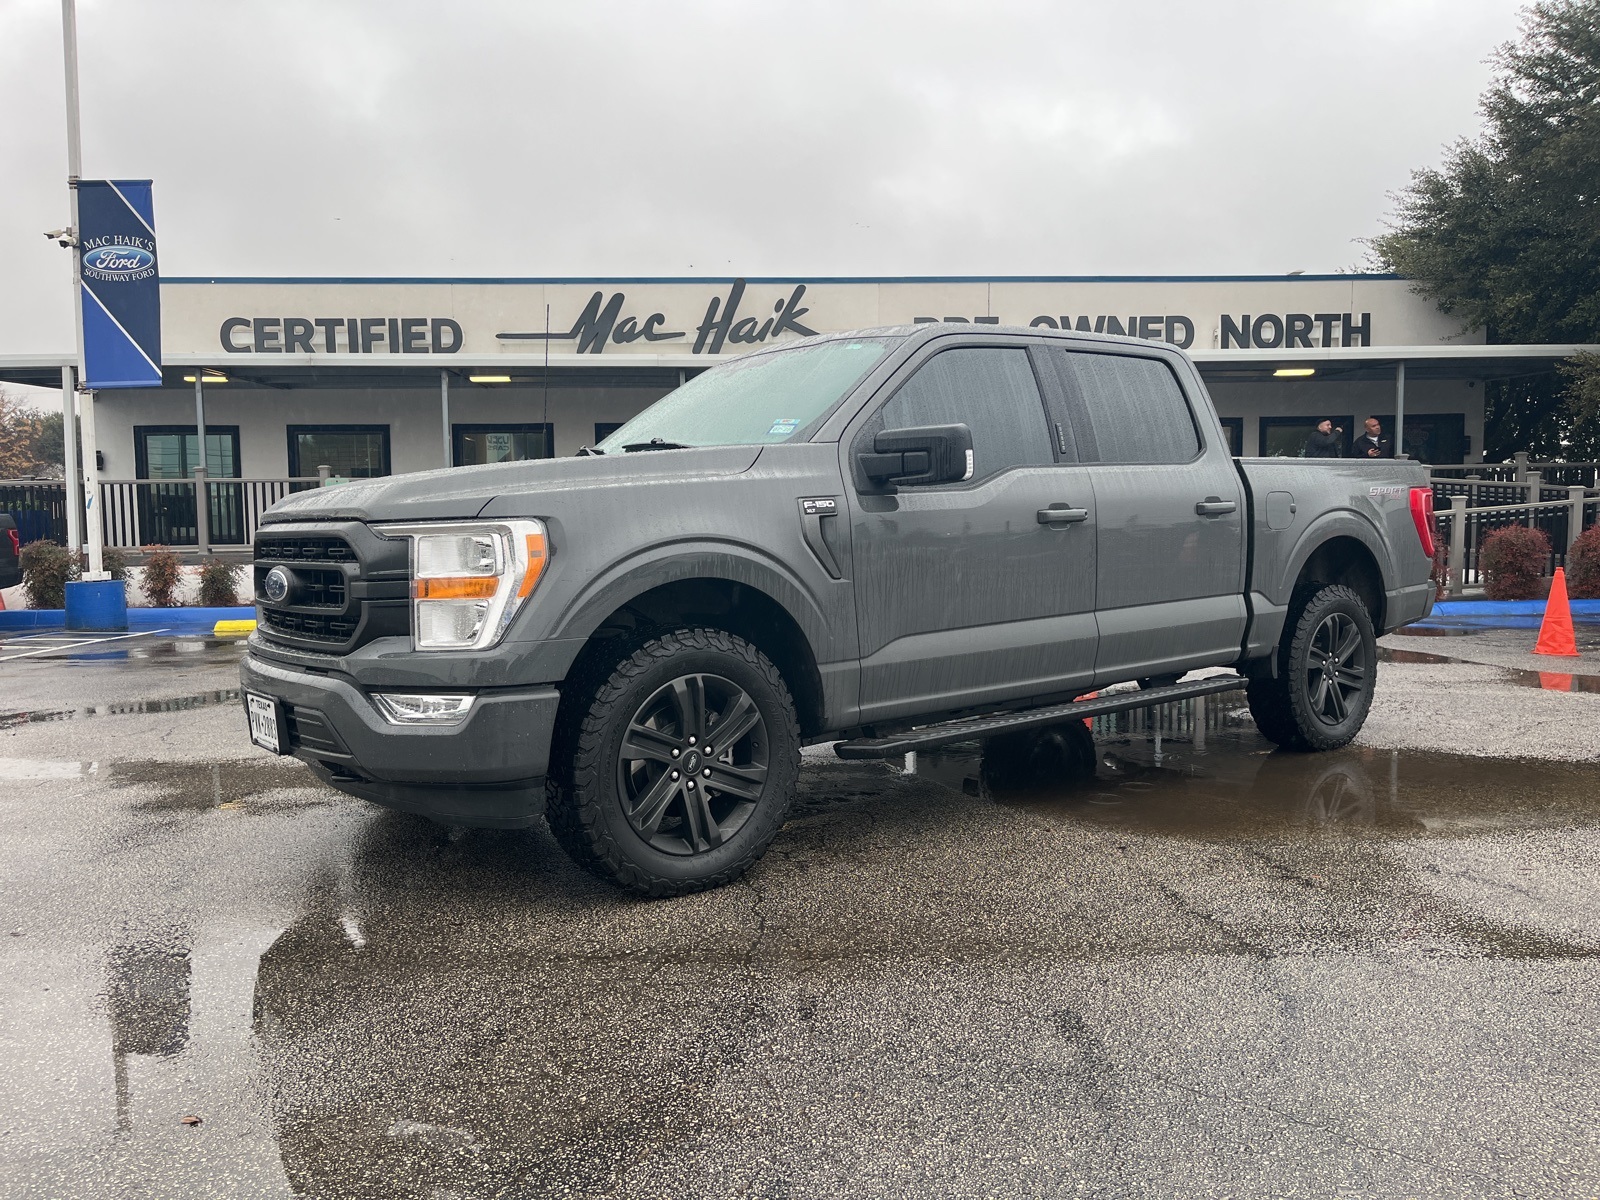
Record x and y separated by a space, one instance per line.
1338 673
692 764
674 765
1326 670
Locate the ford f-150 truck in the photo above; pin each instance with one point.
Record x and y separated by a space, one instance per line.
888 539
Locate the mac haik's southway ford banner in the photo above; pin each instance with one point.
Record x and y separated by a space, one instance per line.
706 318
120 284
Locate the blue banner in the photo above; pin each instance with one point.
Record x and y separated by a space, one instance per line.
121 292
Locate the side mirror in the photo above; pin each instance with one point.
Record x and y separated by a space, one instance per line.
917 457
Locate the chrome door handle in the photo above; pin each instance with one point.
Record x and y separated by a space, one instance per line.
1212 506
1062 515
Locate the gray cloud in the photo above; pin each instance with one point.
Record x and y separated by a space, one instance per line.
477 138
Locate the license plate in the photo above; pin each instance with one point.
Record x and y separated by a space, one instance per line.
263 714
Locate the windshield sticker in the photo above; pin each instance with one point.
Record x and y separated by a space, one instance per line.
783 427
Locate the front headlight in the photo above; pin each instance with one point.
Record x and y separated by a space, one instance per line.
467 581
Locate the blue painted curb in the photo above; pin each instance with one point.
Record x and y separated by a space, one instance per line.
179 620
1507 608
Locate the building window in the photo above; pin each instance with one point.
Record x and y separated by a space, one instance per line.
1233 429
472 445
173 451
1285 437
348 451
1434 437
604 429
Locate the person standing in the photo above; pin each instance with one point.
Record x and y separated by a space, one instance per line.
1373 443
1326 441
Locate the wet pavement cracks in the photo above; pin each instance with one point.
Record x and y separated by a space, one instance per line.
1168 962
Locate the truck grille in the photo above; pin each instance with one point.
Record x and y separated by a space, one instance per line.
348 586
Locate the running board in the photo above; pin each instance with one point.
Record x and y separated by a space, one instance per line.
969 728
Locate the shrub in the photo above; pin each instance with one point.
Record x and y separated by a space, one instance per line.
115 562
1514 558
1583 566
219 583
160 579
46 570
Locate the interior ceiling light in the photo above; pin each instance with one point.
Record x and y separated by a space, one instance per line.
489 378
207 379
1293 372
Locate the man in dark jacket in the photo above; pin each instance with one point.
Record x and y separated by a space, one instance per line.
1372 443
1326 441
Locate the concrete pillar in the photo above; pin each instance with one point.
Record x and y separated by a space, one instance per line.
202 511
1458 544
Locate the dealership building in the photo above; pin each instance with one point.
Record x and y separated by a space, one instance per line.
363 377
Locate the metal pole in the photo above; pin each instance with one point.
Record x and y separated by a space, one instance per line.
69 461
91 470
202 493
1399 409
444 413
1458 544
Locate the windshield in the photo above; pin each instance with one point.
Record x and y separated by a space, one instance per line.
758 400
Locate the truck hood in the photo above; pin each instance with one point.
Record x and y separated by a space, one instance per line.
460 493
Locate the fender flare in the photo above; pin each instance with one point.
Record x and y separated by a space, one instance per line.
1339 523
672 562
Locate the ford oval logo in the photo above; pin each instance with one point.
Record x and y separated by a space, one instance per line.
118 259
276 585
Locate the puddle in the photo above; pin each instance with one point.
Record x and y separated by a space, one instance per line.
123 708
1549 681
1217 778
1435 631
200 786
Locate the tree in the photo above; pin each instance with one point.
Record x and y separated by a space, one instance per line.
30 441
1506 233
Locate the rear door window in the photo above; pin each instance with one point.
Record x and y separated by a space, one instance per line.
992 391
1134 409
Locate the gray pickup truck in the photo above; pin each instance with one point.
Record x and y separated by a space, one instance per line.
890 539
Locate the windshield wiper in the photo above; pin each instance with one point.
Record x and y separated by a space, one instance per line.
585 451
656 444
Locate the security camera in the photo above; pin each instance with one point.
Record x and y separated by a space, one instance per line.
63 237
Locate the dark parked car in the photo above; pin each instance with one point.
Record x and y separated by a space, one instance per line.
894 538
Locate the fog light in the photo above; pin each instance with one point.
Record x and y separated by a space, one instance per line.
400 708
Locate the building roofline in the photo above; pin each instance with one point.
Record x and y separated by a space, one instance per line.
612 281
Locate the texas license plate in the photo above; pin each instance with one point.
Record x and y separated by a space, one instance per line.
263 714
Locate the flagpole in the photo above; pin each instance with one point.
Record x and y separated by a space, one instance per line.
94 533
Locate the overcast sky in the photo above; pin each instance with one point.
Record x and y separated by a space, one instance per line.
336 137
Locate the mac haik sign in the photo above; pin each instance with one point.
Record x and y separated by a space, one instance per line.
120 284
676 318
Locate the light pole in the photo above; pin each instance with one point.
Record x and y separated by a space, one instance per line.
94 534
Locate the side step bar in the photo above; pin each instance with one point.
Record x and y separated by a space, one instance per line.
968 728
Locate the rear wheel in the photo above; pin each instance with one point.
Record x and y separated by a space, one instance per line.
680 767
1327 667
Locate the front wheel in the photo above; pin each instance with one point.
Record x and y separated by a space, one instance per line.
1327 669
680 767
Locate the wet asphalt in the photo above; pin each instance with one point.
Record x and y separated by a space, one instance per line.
1170 962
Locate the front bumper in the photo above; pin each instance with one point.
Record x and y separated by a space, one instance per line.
488 771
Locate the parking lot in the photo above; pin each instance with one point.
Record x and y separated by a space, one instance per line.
1208 968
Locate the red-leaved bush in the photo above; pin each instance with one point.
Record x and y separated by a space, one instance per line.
1513 559
1583 566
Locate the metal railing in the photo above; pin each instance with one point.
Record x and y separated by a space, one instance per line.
149 512
1464 526
39 507
1520 468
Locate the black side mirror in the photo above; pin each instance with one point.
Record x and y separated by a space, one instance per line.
918 457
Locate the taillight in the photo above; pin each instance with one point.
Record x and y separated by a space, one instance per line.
1422 517
16 542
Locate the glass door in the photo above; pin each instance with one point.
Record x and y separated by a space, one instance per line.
167 509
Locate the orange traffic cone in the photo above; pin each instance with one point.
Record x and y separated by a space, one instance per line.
1555 632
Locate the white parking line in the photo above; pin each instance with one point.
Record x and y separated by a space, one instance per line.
64 643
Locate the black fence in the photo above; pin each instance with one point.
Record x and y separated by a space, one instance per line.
39 507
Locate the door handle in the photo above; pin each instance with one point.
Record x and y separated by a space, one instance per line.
1215 506
1060 514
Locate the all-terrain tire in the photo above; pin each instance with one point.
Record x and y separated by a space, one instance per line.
1327 669
591 804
